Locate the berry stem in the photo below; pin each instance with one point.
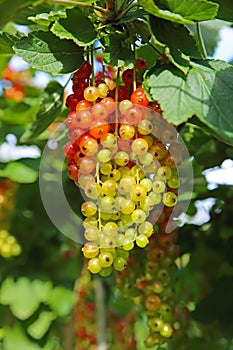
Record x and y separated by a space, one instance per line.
93 65
116 100
100 315
134 68
97 175
201 41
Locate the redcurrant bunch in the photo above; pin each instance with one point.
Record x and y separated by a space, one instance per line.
84 313
121 155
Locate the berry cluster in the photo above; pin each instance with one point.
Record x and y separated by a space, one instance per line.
16 91
159 295
9 246
124 157
84 314
152 281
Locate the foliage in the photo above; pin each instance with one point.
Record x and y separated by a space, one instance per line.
195 94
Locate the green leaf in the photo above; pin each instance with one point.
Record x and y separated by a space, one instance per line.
205 92
20 296
198 10
211 88
132 15
154 10
15 338
140 28
51 104
17 113
210 33
184 43
40 327
117 52
3 63
225 11
166 31
7 12
76 27
22 16
170 90
46 18
148 53
6 42
141 332
62 301
216 306
45 51
19 172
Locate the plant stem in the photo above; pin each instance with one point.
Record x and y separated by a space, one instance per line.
100 315
127 9
109 5
134 69
79 3
93 65
98 183
200 39
155 48
116 100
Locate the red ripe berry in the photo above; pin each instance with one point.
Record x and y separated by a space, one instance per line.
133 115
84 71
71 102
71 120
86 165
70 149
99 81
75 134
99 129
78 157
73 172
99 111
140 64
99 57
124 145
90 306
81 333
83 119
78 87
109 103
127 76
123 93
88 145
139 97
156 107
83 104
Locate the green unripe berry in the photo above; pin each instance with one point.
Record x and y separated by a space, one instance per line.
119 263
94 266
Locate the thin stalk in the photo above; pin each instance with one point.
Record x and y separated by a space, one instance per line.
116 100
134 69
93 65
97 175
127 9
100 315
155 48
78 3
201 41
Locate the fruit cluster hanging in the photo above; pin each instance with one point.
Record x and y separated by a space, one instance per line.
124 157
